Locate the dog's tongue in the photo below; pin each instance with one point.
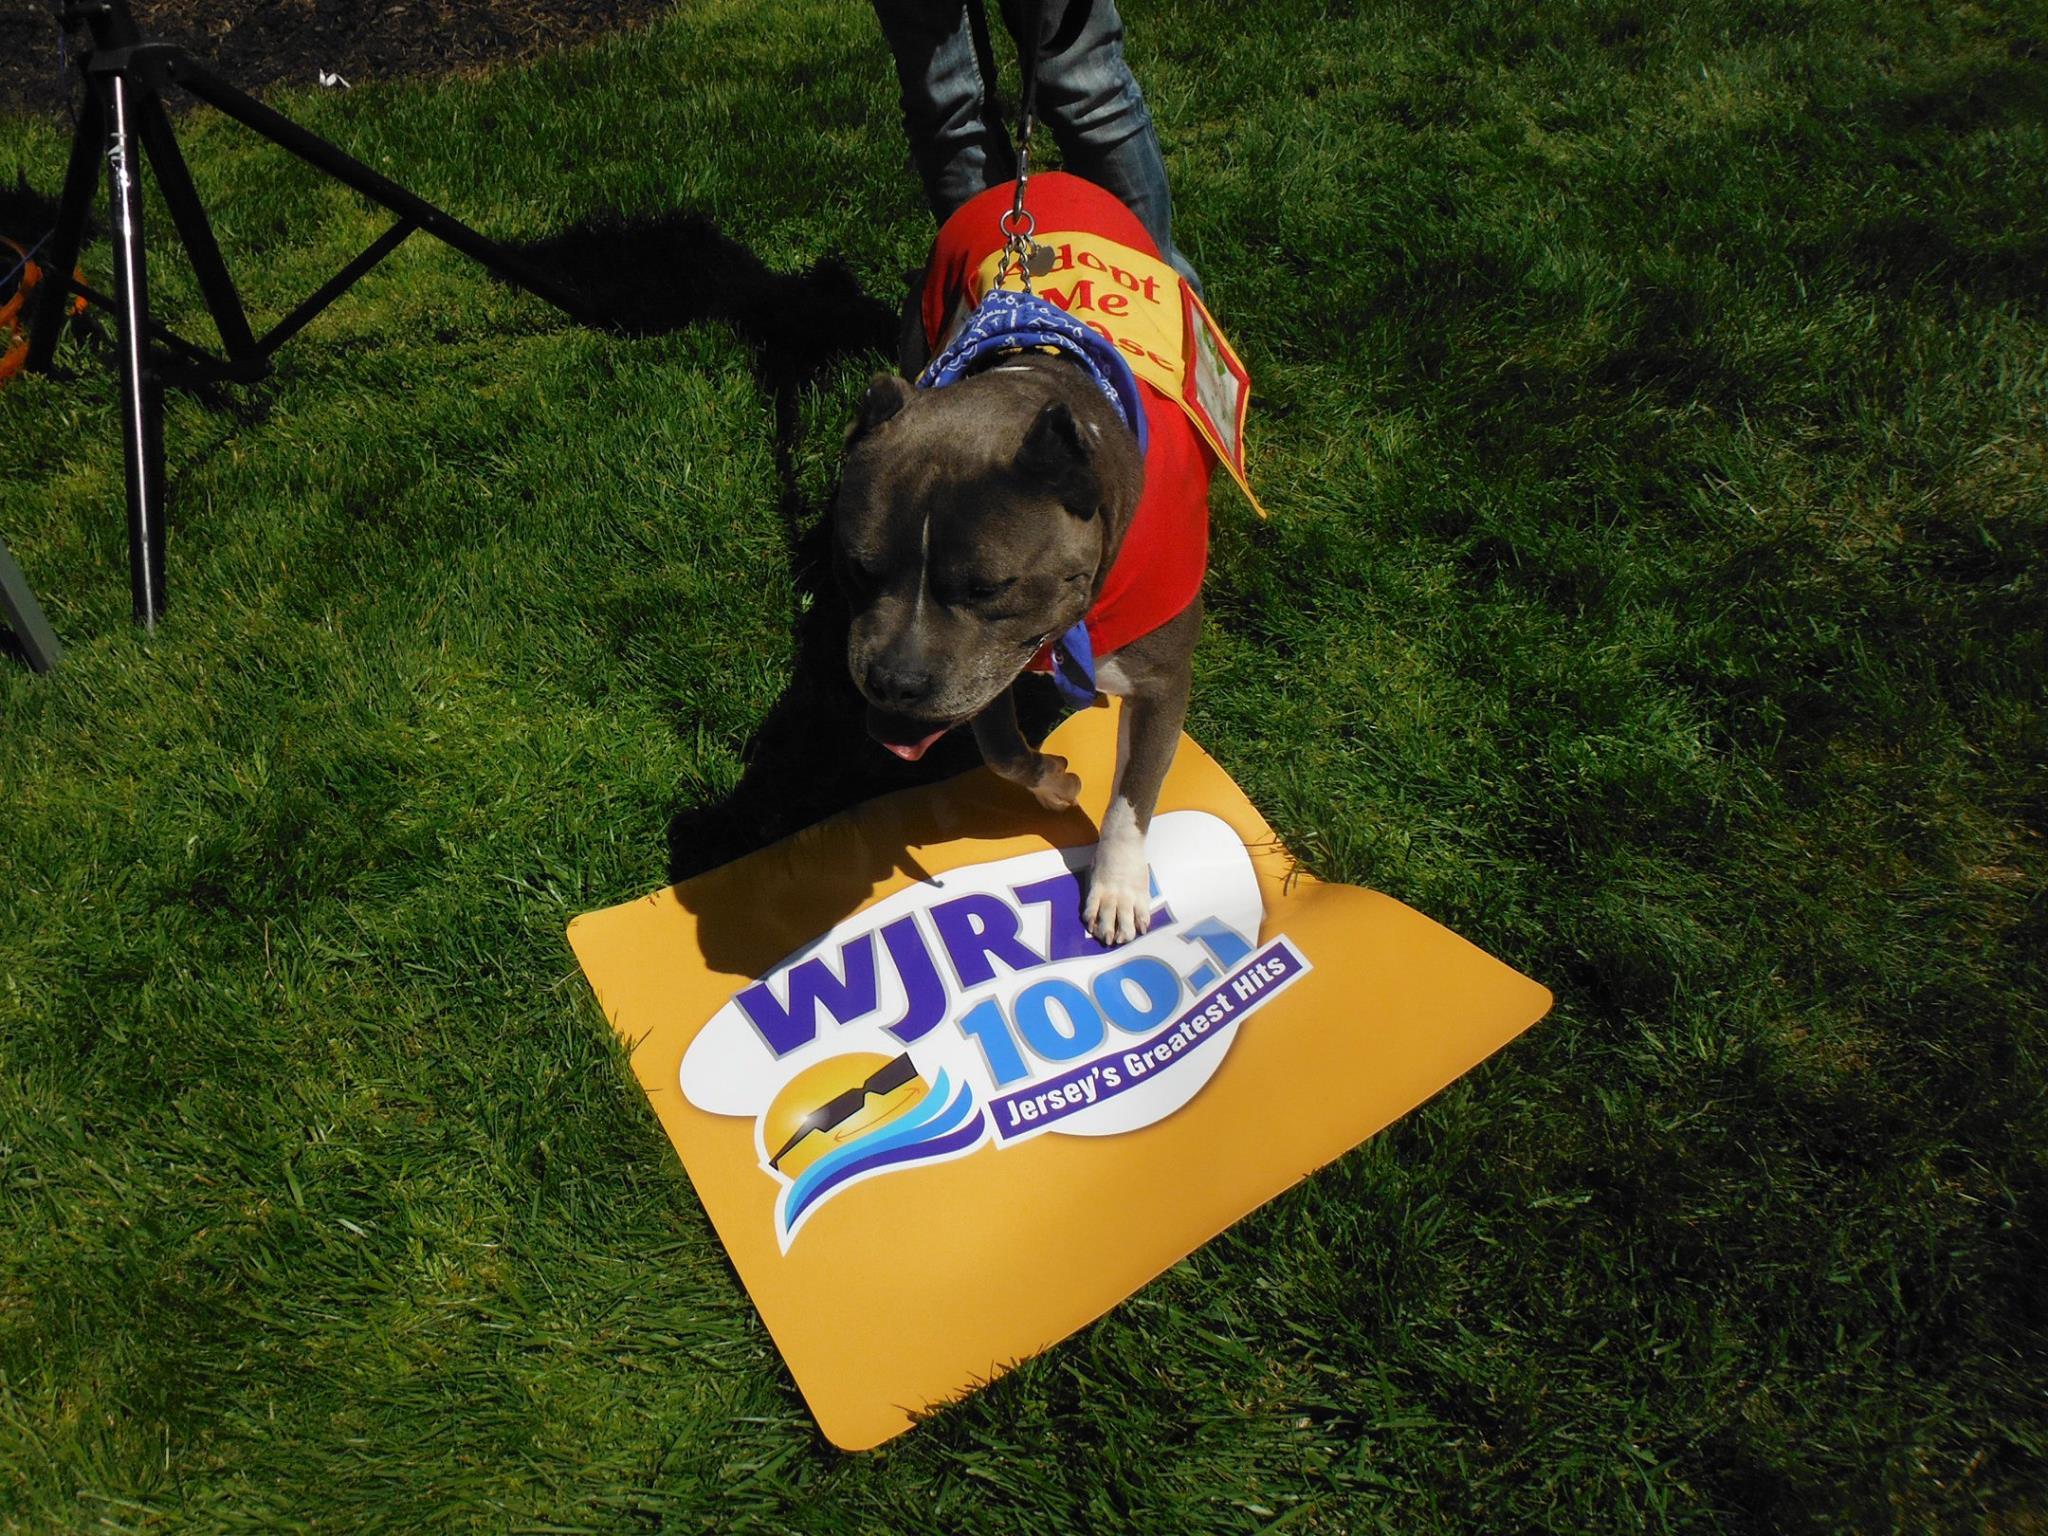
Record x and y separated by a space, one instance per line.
911 751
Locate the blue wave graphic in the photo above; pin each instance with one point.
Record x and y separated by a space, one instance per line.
944 1120
933 1115
924 1151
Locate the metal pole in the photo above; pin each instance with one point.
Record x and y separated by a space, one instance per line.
141 403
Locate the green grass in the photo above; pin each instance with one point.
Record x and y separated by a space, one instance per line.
1656 432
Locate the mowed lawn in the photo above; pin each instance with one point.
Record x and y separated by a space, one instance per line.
1654 417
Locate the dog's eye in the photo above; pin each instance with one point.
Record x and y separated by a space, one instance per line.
988 591
857 571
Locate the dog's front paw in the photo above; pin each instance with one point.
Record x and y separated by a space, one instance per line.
1119 896
1055 788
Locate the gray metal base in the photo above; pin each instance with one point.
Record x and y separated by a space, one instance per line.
24 615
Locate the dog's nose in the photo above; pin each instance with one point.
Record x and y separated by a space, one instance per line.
898 688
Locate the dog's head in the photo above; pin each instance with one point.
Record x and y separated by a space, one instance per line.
974 523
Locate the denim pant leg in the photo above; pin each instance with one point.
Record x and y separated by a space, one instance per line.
958 147
1091 102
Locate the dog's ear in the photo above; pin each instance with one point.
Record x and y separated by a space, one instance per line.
1056 455
887 394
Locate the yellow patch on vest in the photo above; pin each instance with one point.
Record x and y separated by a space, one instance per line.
1153 318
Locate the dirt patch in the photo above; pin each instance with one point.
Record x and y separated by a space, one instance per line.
255 43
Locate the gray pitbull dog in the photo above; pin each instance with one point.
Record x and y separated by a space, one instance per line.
974 523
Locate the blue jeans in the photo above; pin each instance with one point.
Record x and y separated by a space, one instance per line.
1086 96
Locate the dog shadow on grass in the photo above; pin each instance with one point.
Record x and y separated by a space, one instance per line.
810 756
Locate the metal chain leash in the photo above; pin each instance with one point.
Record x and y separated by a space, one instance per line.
1021 253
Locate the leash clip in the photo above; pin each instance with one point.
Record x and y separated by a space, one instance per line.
1020 252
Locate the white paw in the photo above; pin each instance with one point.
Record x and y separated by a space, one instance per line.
1119 896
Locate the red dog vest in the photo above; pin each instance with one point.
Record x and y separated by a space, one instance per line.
1159 568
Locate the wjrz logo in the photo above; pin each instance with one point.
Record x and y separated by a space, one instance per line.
975 1009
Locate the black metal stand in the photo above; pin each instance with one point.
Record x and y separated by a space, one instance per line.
124 122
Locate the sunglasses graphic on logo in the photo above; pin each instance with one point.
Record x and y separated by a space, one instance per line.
836 1111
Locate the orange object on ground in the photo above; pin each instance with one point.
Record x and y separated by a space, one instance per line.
14 308
938 1128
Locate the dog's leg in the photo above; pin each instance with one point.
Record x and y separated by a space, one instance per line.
1148 731
1004 749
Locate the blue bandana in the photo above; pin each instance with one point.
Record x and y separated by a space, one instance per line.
1008 321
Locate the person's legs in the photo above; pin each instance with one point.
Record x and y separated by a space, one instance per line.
1091 102
958 146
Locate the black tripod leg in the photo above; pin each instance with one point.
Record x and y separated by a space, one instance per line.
88 143
195 230
348 170
141 394
18 606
